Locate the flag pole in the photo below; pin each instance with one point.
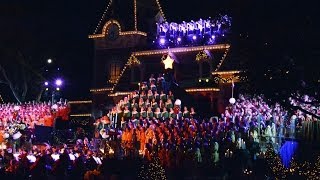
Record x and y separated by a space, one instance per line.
232 86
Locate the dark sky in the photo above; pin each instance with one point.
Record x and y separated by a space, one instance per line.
60 28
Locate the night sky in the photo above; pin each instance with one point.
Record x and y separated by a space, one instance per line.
59 29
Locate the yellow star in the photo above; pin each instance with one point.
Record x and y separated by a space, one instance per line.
168 62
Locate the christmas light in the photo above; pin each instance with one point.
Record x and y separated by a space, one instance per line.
103 16
183 49
222 59
80 102
135 15
160 9
225 72
101 90
80 115
119 94
202 89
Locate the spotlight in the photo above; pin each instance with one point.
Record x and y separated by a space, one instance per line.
207 80
199 80
213 37
162 41
58 82
46 83
58 89
194 37
47 89
179 39
49 61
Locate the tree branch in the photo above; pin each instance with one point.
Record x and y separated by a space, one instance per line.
9 83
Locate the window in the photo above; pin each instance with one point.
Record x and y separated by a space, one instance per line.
114 70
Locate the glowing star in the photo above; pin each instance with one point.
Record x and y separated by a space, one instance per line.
168 62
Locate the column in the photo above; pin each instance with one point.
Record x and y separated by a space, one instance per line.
200 69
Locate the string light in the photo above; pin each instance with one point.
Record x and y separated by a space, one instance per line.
202 89
183 49
222 59
135 16
80 115
160 9
80 102
225 72
101 90
119 94
125 33
103 16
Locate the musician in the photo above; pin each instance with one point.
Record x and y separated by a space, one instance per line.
144 87
163 96
192 112
135 96
165 113
150 95
141 103
169 104
154 104
157 113
172 114
156 96
135 113
150 114
152 79
126 102
134 104
170 96
143 113
153 87
186 113
126 113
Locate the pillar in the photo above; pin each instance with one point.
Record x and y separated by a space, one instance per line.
200 69
132 78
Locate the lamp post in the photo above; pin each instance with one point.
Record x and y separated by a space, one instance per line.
232 100
54 86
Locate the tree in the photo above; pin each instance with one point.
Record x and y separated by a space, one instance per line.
19 53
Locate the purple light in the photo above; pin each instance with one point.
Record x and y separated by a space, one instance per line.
213 36
58 82
46 83
179 39
162 41
194 37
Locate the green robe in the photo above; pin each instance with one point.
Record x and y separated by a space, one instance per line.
173 115
165 115
171 97
168 106
154 105
150 114
150 97
127 114
134 105
144 97
157 97
186 114
163 97
126 104
157 115
143 114
135 115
